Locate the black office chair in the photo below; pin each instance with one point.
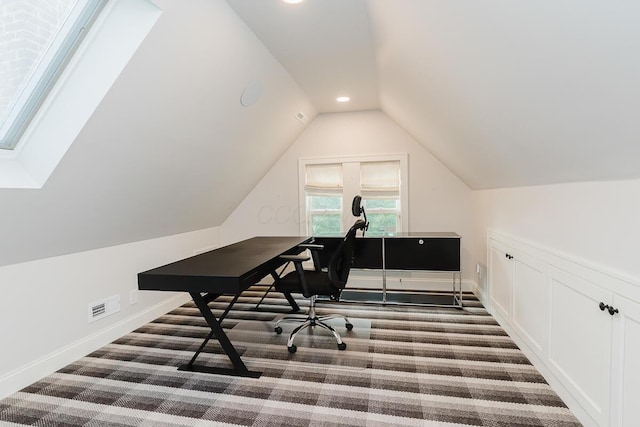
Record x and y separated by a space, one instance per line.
357 209
326 282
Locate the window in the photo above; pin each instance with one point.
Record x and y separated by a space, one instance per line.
323 198
380 190
327 187
38 38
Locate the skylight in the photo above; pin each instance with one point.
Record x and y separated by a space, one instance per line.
37 39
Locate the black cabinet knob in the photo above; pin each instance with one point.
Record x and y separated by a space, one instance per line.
607 307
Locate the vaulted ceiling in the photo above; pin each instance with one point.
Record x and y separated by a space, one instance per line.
505 93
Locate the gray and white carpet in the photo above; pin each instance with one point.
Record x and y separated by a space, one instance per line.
402 367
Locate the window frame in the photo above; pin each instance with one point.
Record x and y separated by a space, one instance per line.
20 115
351 187
310 212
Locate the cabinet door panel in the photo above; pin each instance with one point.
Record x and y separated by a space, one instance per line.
501 276
580 341
531 301
629 375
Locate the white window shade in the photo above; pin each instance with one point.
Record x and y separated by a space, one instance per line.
380 178
327 186
323 178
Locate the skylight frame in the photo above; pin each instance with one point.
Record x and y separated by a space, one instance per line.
47 72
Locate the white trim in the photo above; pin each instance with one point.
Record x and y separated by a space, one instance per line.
611 280
476 289
46 365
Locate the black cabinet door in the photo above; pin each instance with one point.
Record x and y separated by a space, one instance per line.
367 253
429 253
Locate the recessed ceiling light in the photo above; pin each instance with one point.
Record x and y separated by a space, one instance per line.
292 1
343 99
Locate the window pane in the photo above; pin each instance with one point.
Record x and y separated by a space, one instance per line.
380 204
28 28
325 202
325 224
382 223
37 37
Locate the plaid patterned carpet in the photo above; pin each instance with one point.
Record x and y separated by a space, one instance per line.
413 367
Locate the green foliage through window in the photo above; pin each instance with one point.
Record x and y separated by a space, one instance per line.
323 225
371 204
382 223
325 202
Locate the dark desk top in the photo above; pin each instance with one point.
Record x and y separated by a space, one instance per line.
229 269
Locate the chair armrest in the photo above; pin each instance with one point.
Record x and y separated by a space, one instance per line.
312 246
295 258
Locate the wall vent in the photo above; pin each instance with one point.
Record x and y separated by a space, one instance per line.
300 116
104 308
98 310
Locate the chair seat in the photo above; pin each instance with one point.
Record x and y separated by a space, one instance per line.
317 281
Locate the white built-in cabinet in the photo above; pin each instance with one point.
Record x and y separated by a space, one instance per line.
626 394
501 270
578 324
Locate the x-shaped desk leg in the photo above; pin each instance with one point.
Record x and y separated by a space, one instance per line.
239 368
292 302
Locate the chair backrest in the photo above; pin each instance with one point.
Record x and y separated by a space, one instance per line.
342 259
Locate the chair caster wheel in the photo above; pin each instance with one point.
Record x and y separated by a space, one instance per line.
342 346
278 330
292 349
349 326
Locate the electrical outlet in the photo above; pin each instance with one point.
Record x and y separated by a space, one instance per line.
133 296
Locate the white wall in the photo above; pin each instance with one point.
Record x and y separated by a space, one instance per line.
438 200
170 148
597 222
44 304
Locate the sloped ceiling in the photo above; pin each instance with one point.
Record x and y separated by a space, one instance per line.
170 148
325 45
505 93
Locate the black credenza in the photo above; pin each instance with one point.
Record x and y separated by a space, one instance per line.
425 251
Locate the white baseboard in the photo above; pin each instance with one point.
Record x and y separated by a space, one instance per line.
478 292
38 369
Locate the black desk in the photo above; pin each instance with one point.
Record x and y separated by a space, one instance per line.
426 251
227 270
